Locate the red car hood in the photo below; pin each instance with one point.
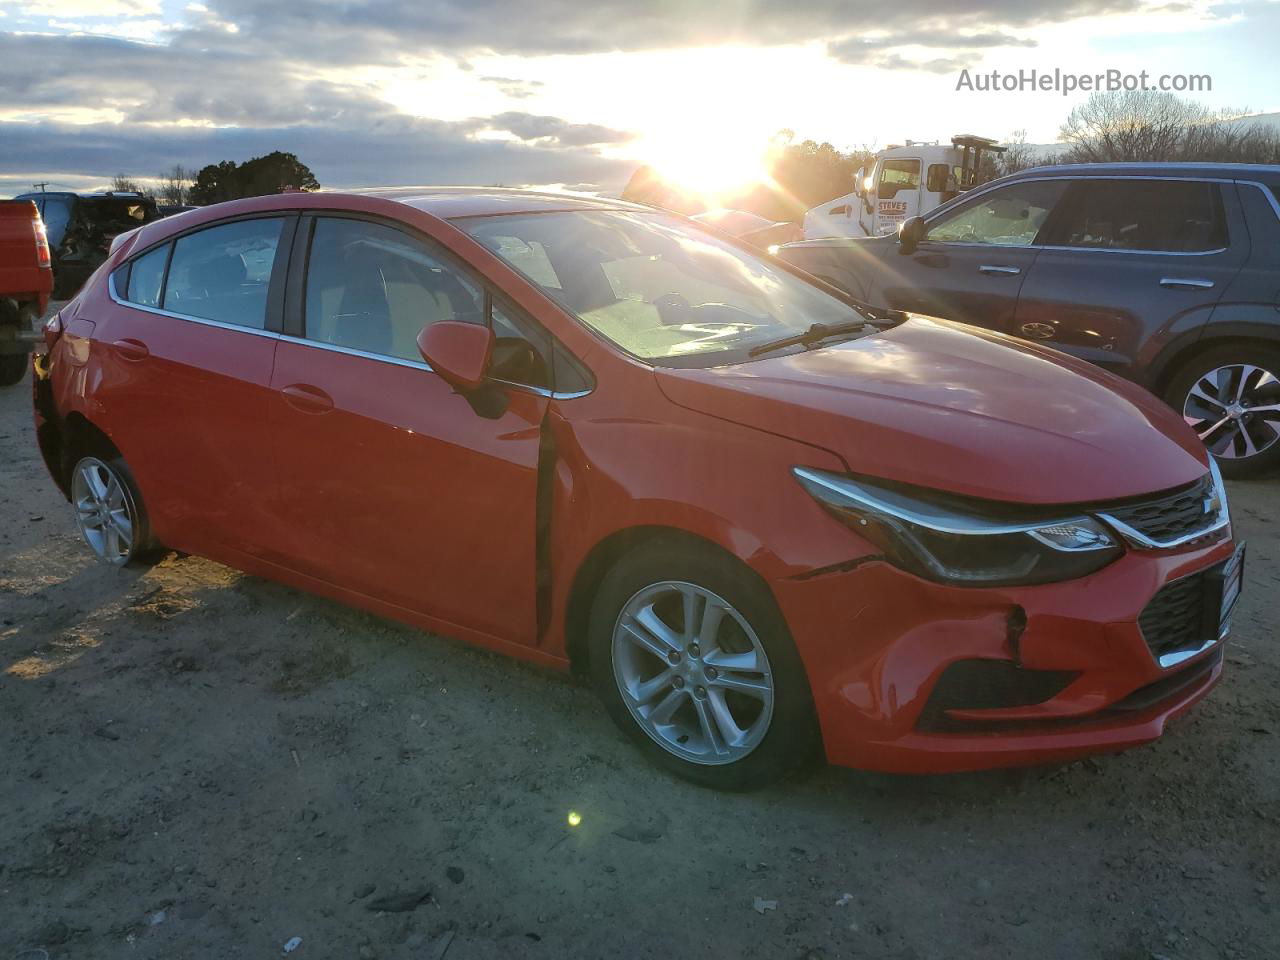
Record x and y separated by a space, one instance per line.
949 407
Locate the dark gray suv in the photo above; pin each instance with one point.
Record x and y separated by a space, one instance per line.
81 227
1168 274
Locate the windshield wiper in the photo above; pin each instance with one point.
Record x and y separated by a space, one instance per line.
816 333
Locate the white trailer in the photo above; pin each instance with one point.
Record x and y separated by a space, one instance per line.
902 182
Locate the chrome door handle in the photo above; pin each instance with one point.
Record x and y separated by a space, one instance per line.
988 268
1186 282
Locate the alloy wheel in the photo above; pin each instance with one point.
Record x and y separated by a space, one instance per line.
693 673
1235 409
105 511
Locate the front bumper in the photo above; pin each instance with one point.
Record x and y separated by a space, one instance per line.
876 642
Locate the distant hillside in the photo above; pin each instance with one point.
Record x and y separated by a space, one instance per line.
1271 120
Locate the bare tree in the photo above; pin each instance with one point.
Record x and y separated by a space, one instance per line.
122 184
1152 126
1018 155
174 185
1237 140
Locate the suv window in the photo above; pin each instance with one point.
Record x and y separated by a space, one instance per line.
223 273
371 287
1178 216
1009 216
57 214
898 175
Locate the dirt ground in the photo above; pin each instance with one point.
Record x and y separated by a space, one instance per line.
201 764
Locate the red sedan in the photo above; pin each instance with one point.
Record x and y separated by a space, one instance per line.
768 524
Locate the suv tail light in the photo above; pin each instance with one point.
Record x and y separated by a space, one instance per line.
43 258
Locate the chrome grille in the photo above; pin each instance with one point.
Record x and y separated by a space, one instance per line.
1170 519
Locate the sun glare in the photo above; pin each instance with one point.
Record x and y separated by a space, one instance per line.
713 169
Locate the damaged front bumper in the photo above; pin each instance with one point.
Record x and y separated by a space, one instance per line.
919 677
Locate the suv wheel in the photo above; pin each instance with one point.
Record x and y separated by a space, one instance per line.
695 664
1230 396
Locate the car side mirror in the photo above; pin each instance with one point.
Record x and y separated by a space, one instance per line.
910 233
459 352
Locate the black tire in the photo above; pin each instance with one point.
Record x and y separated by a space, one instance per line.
13 368
142 548
791 740
1229 444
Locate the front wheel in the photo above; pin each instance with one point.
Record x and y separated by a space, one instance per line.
1230 396
694 662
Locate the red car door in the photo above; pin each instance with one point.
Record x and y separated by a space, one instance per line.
391 484
186 354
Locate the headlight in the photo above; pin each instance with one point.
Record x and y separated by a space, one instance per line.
969 542
1219 492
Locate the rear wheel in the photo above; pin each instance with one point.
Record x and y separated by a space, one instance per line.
1231 397
694 662
109 511
13 367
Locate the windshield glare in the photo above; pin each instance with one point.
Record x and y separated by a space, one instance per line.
659 287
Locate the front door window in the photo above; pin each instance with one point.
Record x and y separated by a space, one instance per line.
1010 216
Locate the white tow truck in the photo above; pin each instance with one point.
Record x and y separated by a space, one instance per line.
902 182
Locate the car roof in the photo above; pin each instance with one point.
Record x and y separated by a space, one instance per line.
450 203
1264 172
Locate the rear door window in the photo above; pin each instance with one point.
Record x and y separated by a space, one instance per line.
223 273
1175 216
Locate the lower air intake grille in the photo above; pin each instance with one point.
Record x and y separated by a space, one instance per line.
1176 619
986 684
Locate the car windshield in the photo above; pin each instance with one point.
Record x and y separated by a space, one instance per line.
659 287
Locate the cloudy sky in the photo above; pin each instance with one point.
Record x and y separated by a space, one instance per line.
571 92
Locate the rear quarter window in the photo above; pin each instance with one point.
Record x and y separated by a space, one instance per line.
146 276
